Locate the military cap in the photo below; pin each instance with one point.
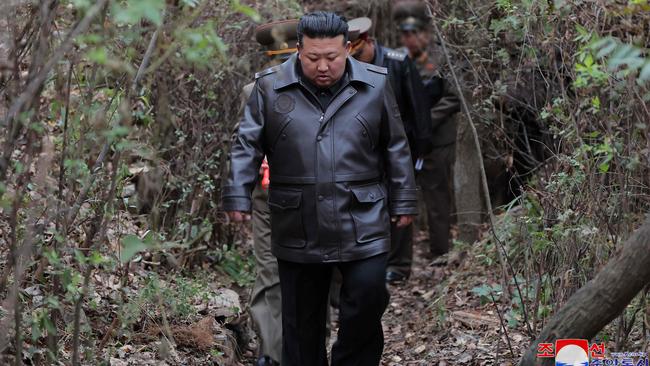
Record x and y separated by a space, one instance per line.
411 15
279 37
357 28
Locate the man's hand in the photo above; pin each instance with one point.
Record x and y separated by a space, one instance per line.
403 220
238 216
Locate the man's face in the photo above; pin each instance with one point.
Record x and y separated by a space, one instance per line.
366 51
414 41
323 59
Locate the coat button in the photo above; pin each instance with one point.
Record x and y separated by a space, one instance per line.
364 133
284 136
319 137
320 197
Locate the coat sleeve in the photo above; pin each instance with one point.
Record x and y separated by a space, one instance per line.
417 102
446 106
246 155
397 159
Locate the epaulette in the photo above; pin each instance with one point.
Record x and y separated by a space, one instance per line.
268 71
395 55
377 69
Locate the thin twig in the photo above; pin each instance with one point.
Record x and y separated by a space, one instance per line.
503 324
74 210
87 185
486 193
22 252
76 329
35 84
146 58
99 225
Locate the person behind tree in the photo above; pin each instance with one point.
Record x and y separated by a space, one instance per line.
435 178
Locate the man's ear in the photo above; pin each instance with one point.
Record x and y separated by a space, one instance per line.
348 47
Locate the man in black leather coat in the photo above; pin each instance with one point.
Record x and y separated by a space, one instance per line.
414 109
340 172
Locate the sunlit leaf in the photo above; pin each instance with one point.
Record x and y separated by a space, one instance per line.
97 55
604 167
246 10
131 245
81 4
136 10
190 3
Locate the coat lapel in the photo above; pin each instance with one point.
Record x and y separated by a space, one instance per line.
358 74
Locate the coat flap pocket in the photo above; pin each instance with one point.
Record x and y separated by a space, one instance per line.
368 194
284 198
365 124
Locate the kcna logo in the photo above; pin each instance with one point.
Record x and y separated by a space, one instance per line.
578 352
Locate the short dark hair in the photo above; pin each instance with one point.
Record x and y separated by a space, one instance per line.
322 24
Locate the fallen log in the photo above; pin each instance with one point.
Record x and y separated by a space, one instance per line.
602 299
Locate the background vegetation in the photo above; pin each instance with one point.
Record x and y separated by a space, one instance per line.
116 115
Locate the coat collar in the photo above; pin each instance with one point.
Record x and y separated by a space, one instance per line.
288 75
379 55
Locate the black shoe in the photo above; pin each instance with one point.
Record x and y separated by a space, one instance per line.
267 361
394 277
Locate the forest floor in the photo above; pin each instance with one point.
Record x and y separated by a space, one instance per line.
441 316
436 319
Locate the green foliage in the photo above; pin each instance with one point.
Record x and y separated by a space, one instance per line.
585 199
246 10
158 141
241 269
202 45
488 293
623 59
175 297
133 11
589 73
131 245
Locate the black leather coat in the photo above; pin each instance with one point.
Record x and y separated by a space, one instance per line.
411 97
336 175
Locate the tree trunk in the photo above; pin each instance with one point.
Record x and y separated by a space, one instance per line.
467 182
602 299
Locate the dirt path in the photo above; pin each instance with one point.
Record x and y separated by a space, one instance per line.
436 319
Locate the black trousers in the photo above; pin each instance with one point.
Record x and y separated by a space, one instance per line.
400 257
363 299
435 181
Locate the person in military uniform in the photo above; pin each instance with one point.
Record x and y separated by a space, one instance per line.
435 177
340 172
279 39
414 108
